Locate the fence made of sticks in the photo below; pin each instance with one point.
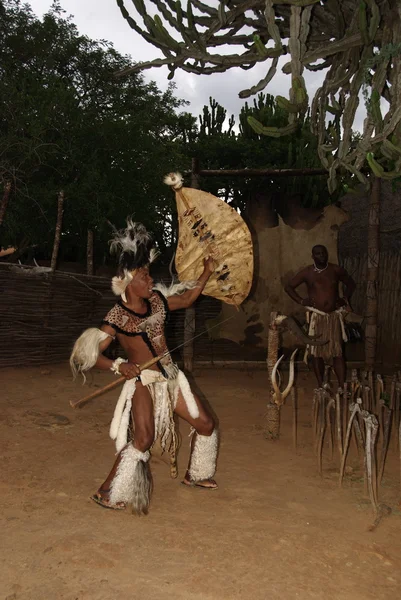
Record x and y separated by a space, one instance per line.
389 299
43 312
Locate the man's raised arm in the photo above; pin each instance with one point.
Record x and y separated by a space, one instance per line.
188 298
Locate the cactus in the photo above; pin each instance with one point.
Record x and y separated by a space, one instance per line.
286 104
277 132
363 22
379 170
375 110
360 49
390 150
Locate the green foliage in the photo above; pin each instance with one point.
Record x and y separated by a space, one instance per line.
67 123
219 147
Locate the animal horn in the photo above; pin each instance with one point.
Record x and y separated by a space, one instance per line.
293 326
276 388
291 376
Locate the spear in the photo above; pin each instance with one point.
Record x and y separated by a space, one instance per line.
146 365
112 385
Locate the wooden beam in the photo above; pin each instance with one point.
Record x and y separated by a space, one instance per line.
261 172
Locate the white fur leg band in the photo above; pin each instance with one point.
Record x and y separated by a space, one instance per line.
204 457
132 482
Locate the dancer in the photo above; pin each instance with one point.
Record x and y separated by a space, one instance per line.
149 398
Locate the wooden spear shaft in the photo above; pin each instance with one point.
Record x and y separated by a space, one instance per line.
146 365
112 385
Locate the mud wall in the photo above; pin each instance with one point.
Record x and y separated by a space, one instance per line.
282 248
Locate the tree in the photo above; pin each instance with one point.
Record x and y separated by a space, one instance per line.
66 124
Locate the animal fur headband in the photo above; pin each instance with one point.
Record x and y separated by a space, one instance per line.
135 247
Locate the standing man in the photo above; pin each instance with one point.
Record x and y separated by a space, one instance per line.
322 281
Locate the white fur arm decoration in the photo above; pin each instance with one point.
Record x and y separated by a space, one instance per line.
175 289
115 367
86 350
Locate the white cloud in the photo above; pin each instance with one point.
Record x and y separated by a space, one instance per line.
102 19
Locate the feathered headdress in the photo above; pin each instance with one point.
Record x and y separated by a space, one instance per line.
135 247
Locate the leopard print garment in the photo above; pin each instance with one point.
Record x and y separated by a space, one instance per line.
150 326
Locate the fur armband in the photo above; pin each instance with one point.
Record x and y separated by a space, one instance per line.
86 350
175 289
115 367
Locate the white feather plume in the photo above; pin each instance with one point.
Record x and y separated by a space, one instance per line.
175 180
126 241
153 254
119 284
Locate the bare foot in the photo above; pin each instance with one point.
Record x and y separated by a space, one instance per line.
102 497
209 484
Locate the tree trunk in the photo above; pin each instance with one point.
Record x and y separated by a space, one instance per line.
89 253
272 429
372 275
57 233
190 314
5 199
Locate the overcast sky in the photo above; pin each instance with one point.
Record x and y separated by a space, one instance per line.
101 19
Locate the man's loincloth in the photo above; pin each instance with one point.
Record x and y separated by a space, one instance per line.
327 327
164 393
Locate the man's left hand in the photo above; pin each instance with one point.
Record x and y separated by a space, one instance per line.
343 302
208 264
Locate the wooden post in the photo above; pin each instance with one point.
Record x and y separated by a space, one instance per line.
372 275
272 429
5 199
57 233
190 313
89 253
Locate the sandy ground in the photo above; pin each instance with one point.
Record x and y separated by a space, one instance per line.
274 529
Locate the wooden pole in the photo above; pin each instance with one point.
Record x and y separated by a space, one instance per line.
272 423
113 384
190 313
372 275
89 253
4 200
57 233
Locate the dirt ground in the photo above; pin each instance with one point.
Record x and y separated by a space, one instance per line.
274 530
